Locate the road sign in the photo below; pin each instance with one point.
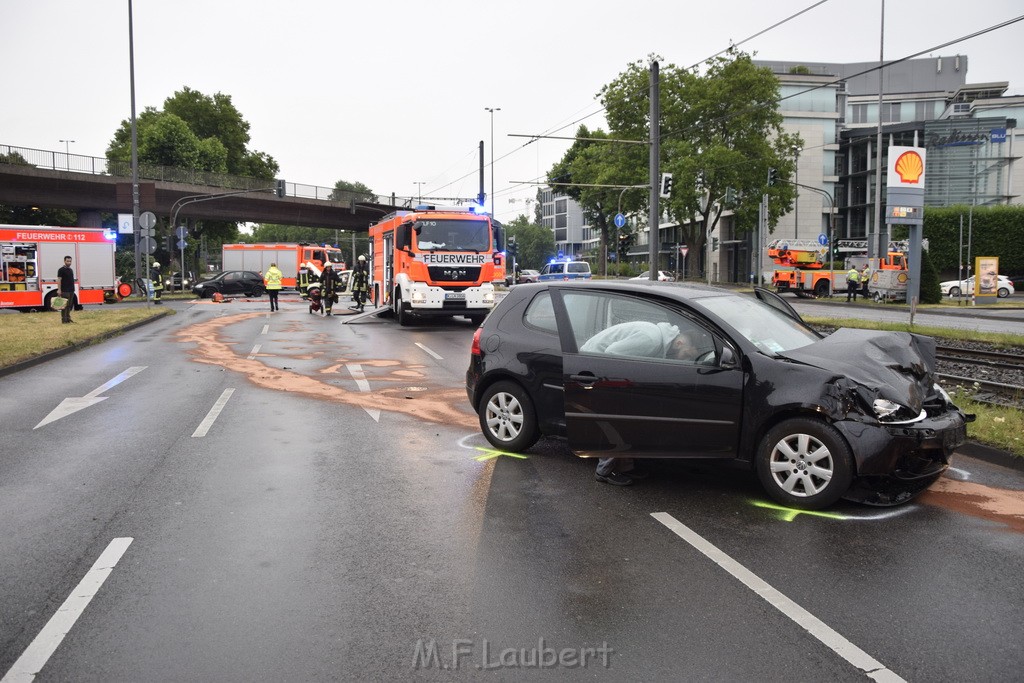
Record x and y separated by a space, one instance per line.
823 239
182 244
147 220
620 220
148 245
181 232
145 232
684 251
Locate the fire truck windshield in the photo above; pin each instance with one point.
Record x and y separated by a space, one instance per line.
453 235
334 256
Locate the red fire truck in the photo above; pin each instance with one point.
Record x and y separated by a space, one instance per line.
289 257
30 257
436 261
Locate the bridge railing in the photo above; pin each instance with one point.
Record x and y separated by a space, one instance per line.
78 163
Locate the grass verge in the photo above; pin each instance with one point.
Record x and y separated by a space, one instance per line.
26 335
996 426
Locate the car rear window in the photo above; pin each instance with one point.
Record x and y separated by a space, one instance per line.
579 267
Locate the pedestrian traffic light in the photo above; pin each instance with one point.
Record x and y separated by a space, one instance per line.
773 176
280 188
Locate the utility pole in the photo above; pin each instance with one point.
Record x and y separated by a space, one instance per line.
655 160
492 110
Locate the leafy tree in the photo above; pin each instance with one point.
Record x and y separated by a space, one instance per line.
535 244
345 191
720 130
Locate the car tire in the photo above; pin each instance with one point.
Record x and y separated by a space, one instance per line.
954 292
257 292
785 458
1003 292
877 296
477 320
205 293
507 417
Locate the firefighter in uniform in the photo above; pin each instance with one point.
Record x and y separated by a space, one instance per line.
158 281
328 288
360 284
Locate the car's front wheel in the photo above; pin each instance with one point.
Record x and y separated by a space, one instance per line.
805 462
954 292
507 417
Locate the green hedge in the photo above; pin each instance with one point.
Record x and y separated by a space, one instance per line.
995 231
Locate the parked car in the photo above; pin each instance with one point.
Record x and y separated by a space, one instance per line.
663 276
244 282
855 415
954 288
173 281
1016 280
526 275
565 270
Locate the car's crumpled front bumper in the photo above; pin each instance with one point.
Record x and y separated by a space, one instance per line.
897 462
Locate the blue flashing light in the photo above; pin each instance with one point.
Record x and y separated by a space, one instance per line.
110 234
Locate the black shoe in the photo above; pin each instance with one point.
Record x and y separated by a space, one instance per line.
614 478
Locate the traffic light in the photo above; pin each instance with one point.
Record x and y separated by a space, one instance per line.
280 188
666 185
170 245
773 176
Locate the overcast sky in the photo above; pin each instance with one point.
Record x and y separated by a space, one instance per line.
393 93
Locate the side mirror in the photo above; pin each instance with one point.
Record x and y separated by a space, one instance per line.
728 359
499 235
403 236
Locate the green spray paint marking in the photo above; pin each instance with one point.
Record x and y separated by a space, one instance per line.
490 454
789 514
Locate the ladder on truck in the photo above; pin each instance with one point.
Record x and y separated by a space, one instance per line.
902 246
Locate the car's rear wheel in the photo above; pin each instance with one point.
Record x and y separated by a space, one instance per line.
507 417
1003 292
257 291
954 292
805 462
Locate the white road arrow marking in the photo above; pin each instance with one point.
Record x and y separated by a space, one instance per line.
357 374
72 405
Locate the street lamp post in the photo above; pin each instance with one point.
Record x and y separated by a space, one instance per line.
492 110
796 200
419 188
67 153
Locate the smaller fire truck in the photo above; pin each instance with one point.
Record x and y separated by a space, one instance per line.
289 257
30 257
804 270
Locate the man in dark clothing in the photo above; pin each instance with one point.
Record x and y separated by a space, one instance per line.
67 289
329 289
360 284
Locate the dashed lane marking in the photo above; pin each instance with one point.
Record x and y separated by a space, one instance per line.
432 353
817 628
255 350
266 328
35 656
356 371
211 416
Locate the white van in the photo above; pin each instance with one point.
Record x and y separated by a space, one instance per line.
565 270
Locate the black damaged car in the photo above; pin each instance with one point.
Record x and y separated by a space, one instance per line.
651 369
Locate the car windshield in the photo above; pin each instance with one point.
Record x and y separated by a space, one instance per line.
767 328
453 235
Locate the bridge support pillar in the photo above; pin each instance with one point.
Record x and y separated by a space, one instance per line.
89 219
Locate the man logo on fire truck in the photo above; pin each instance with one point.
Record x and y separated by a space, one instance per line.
437 262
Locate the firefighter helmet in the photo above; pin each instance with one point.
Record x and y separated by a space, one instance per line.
362 258
156 264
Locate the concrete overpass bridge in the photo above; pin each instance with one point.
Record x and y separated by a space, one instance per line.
92 185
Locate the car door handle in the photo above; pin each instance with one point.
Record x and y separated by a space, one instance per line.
585 378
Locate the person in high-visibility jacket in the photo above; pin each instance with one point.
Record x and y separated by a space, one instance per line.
158 281
852 283
273 281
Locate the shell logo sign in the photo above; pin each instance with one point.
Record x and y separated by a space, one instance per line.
906 167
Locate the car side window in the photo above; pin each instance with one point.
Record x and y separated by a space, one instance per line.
613 325
541 314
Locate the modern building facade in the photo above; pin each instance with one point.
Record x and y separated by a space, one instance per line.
564 217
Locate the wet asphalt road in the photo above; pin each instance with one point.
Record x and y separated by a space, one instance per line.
317 531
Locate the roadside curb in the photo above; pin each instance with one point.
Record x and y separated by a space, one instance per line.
994 456
57 353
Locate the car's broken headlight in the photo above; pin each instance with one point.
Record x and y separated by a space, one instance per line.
891 412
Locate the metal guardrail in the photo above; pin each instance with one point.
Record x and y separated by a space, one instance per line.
78 163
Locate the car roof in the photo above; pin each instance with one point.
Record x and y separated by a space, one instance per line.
674 290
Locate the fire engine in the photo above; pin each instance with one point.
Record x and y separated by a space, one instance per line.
30 257
805 272
289 257
436 261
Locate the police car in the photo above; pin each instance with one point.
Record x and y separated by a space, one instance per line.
565 270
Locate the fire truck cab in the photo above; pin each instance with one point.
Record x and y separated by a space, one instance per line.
436 262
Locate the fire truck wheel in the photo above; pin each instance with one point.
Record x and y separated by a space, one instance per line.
804 462
401 312
507 418
48 301
821 288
